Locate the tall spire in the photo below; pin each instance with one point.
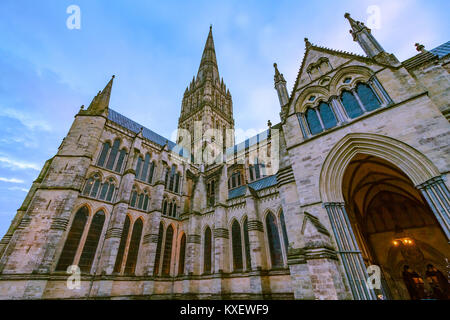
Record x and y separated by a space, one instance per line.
100 103
364 37
280 86
208 65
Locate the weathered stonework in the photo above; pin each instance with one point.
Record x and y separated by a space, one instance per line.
299 235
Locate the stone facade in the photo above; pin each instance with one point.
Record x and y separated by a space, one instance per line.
270 218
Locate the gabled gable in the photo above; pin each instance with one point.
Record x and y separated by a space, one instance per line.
319 57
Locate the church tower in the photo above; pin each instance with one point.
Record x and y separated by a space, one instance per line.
206 105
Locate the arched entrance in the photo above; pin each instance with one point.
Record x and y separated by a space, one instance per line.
388 206
394 227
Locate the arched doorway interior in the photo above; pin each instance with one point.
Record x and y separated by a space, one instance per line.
394 227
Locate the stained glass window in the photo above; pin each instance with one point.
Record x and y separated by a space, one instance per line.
182 255
73 239
145 168
368 97
327 115
120 161
113 154
351 105
133 249
207 251
276 255
237 246
313 121
102 158
283 228
247 246
91 244
167 251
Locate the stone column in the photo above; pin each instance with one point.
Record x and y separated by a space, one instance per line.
220 246
151 232
437 195
192 258
339 110
257 247
300 275
151 237
349 252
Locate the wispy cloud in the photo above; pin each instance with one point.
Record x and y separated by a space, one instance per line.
16 164
28 120
18 189
11 180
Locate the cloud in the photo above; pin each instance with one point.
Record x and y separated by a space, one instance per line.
11 180
18 189
29 121
15 164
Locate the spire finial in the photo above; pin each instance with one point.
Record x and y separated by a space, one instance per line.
208 64
420 47
307 43
276 69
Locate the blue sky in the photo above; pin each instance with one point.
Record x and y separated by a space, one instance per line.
154 47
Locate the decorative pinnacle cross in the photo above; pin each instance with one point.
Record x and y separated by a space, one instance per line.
307 43
420 47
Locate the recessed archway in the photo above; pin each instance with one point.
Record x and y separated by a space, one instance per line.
394 227
398 175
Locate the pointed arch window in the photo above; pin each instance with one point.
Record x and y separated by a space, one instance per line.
327 115
164 207
146 198
248 259
92 240
123 242
113 154
167 251
95 189
166 178
177 182
103 154
313 121
172 178
119 164
103 191
368 97
181 259
235 180
158 249
112 188
134 196
284 231
152 170
88 186
237 246
145 168
73 239
351 105
133 249
276 255
207 251
139 167
170 209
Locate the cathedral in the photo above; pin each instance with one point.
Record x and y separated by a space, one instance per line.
345 198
